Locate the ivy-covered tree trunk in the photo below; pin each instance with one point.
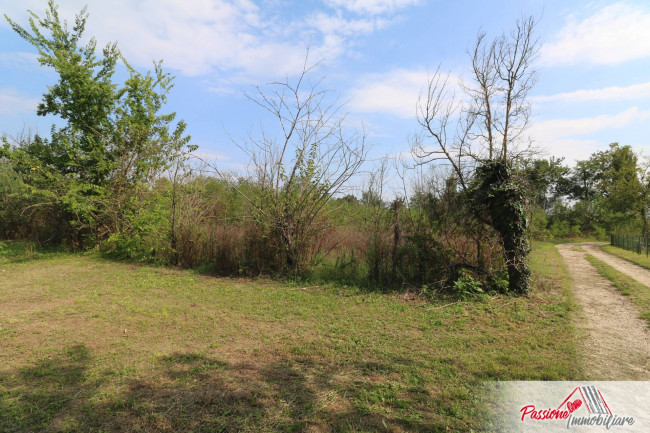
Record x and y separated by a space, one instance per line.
498 194
516 249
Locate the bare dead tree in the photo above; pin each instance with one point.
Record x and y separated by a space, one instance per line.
304 166
445 123
490 119
482 132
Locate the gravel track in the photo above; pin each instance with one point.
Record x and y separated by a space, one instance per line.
616 343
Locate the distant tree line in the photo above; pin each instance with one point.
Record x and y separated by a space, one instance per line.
606 193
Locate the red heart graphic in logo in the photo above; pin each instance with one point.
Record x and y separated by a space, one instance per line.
573 405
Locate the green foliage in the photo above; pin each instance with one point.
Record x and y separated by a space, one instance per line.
618 182
499 197
121 246
144 233
606 193
116 176
89 177
538 223
22 251
466 286
563 229
424 259
500 283
11 189
547 181
378 259
84 96
345 268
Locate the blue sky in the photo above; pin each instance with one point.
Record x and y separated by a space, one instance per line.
593 70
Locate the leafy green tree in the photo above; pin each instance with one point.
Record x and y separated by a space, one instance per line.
84 96
620 191
583 179
607 191
114 141
618 181
547 181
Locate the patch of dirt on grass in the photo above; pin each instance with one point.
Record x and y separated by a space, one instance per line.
616 345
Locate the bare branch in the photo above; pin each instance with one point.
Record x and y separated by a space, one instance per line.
491 120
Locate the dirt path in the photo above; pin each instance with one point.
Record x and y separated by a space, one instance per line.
616 343
640 274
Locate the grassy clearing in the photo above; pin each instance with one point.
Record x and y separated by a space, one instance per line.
89 344
630 256
638 293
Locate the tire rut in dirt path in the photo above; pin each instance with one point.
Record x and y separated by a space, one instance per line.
616 343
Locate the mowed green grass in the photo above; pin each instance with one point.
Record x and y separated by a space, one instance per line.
88 344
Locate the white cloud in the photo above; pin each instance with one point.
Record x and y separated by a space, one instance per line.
615 93
13 103
614 34
572 127
238 39
572 150
373 6
221 89
336 24
395 92
565 137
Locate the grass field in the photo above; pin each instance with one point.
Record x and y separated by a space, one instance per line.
638 293
88 344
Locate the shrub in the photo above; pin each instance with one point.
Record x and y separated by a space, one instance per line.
466 286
